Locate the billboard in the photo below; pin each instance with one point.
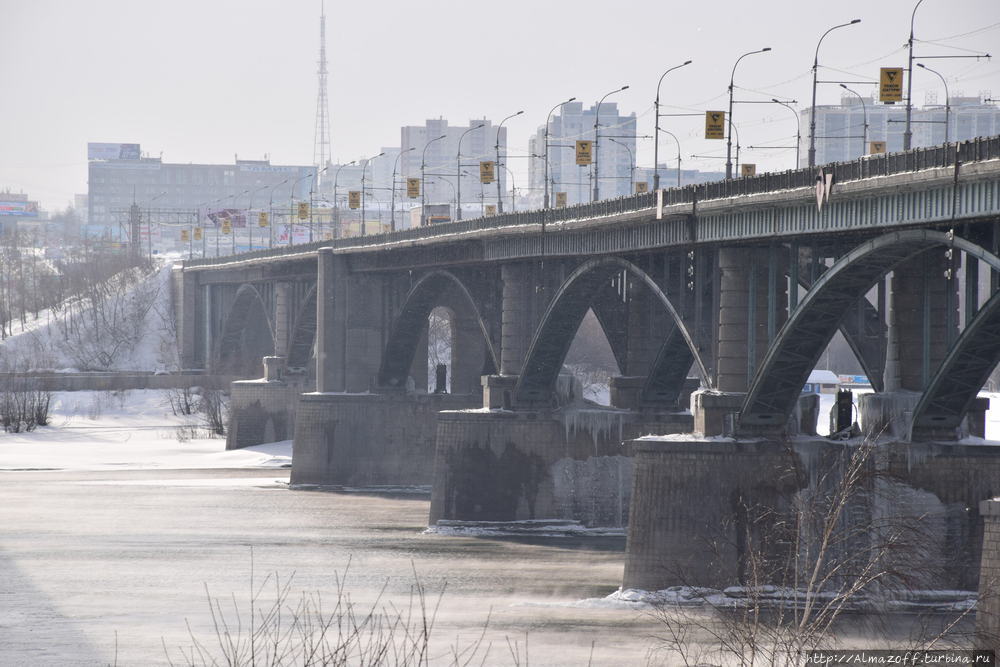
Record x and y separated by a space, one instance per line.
22 209
104 151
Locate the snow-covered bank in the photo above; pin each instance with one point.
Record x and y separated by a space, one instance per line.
131 430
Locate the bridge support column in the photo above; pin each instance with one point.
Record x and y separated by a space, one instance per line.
185 286
516 317
923 322
282 325
753 304
331 322
988 604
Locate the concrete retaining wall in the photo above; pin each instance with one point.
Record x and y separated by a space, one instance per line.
565 464
368 439
115 381
260 411
701 510
988 605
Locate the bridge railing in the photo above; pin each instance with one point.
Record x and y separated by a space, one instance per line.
975 150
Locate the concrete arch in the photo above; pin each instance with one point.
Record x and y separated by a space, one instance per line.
801 341
962 374
303 338
429 292
247 334
562 318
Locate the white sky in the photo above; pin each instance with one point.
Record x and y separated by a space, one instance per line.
202 80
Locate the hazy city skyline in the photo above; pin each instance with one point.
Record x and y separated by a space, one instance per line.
202 82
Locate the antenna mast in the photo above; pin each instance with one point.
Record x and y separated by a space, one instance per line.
321 141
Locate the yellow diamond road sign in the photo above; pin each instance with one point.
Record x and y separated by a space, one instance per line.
486 171
890 84
715 124
584 152
876 147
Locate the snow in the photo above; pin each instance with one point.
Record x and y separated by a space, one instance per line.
40 345
130 430
526 527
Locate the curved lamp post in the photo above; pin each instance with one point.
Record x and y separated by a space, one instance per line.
798 127
631 165
812 112
392 205
947 99
548 120
864 117
499 189
458 172
656 134
729 135
423 180
597 141
364 171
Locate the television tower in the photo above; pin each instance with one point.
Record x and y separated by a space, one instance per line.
321 141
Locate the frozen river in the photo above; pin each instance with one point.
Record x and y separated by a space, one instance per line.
88 556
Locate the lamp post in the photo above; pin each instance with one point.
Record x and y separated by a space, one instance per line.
149 226
291 205
423 180
233 207
249 212
631 165
864 117
597 141
499 189
678 153
812 112
392 205
548 120
336 206
364 171
513 189
270 214
729 135
312 190
798 128
947 99
907 133
656 134
458 172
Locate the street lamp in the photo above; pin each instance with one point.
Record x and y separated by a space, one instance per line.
548 120
947 99
270 214
812 113
233 207
798 127
423 180
364 171
149 225
631 165
458 172
678 153
312 190
907 134
729 135
864 117
392 205
656 134
597 141
291 205
499 189
249 212
336 206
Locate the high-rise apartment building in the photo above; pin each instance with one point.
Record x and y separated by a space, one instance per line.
614 152
841 134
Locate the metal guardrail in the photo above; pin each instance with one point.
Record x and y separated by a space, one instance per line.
975 150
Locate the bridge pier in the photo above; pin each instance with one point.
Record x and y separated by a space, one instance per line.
564 463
